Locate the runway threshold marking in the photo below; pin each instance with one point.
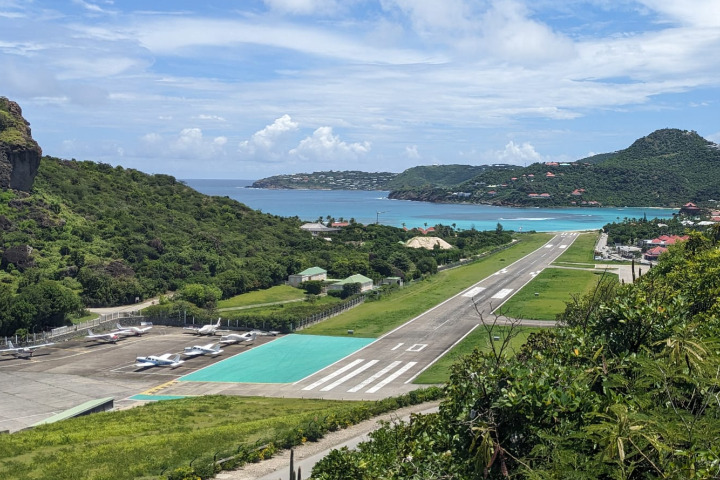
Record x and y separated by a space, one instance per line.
379 374
417 347
392 377
350 375
334 374
397 346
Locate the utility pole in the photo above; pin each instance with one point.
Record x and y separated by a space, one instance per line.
377 217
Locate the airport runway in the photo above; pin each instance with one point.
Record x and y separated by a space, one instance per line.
387 366
70 373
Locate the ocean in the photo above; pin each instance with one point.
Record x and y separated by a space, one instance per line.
374 206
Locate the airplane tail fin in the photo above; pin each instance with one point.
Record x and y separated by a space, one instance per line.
253 336
176 359
119 327
218 323
90 332
10 345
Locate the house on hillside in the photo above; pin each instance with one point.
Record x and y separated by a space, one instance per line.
365 283
313 273
690 209
317 228
654 253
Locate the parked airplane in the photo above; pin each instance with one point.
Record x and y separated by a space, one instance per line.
165 360
131 330
209 349
208 329
238 337
22 352
103 337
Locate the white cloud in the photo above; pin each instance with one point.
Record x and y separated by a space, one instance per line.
302 7
272 141
190 143
323 146
216 118
411 152
517 154
698 13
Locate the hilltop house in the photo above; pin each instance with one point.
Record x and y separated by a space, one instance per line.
313 273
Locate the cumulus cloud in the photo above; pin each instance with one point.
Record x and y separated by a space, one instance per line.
517 154
189 143
272 141
326 147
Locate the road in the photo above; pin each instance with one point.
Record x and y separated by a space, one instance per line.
388 366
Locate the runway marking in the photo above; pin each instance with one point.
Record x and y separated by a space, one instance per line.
562 246
357 371
503 293
417 347
472 292
379 374
549 245
397 346
442 354
334 374
392 377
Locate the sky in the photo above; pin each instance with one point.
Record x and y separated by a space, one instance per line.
253 88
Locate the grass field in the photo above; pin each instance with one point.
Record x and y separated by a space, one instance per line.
145 441
480 339
287 308
582 251
373 318
555 287
280 293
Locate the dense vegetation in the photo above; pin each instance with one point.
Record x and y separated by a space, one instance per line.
627 389
95 235
668 168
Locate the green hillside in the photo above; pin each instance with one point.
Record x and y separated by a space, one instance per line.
439 175
667 168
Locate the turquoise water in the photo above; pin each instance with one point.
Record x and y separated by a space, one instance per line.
284 360
370 207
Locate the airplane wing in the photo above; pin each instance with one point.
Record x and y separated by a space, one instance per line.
193 353
145 364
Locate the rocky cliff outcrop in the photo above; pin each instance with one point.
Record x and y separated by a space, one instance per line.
19 153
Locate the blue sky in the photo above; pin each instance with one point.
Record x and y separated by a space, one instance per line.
247 89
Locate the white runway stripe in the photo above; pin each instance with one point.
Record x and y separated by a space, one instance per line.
333 375
392 377
349 375
379 374
473 291
503 293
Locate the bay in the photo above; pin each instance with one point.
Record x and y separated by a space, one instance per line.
374 206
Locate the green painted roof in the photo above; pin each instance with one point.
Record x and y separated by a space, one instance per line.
312 271
75 411
357 278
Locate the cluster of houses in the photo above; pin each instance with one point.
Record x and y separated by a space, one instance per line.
317 273
659 245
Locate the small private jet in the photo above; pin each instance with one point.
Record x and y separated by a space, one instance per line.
131 330
22 352
208 329
209 349
164 360
110 337
238 337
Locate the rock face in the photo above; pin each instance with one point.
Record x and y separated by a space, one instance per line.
19 153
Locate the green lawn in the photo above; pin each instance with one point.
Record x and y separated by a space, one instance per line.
555 287
374 318
285 308
480 339
280 293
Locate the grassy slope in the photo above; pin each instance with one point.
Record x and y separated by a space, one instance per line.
279 293
581 251
142 442
374 318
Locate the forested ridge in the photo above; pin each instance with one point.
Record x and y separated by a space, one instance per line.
667 168
628 388
89 234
